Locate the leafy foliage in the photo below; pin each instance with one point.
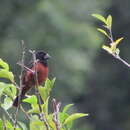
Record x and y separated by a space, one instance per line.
112 47
8 93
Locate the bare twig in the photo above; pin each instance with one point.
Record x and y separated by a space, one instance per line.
111 36
15 84
20 90
42 115
22 65
56 108
122 60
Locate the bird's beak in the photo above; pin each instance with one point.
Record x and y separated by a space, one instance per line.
47 56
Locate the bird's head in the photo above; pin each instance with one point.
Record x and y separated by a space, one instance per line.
42 56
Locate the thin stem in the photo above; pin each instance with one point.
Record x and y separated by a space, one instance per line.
122 60
22 65
111 36
20 90
42 115
56 108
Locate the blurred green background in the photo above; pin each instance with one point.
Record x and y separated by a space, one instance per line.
86 75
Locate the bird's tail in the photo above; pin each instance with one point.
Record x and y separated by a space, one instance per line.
17 101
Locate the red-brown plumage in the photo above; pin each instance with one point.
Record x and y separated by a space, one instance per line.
28 77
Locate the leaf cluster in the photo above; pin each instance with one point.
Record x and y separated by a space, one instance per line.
8 93
107 31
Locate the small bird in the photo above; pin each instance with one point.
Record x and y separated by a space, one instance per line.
28 79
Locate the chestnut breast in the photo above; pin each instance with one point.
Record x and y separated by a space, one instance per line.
42 74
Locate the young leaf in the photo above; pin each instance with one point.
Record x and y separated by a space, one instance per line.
49 84
8 125
6 74
10 90
35 123
13 90
109 21
7 103
67 107
119 40
45 107
43 93
107 48
100 17
50 120
2 87
4 65
103 32
1 125
117 51
22 125
31 99
63 117
114 45
53 81
35 109
74 117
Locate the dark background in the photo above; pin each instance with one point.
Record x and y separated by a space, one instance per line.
86 75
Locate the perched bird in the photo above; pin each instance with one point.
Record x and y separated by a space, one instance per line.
28 79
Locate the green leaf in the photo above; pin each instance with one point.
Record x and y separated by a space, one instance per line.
109 21
8 125
6 74
103 32
4 65
35 123
100 17
35 109
31 99
1 125
7 103
10 90
22 125
114 45
7 89
119 40
49 84
53 81
67 107
45 107
107 48
63 117
13 90
43 92
51 121
74 117
2 87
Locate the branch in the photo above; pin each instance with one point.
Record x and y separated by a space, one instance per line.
122 60
23 66
42 115
115 55
56 108
20 90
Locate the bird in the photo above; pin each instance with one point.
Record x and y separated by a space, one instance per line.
28 78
